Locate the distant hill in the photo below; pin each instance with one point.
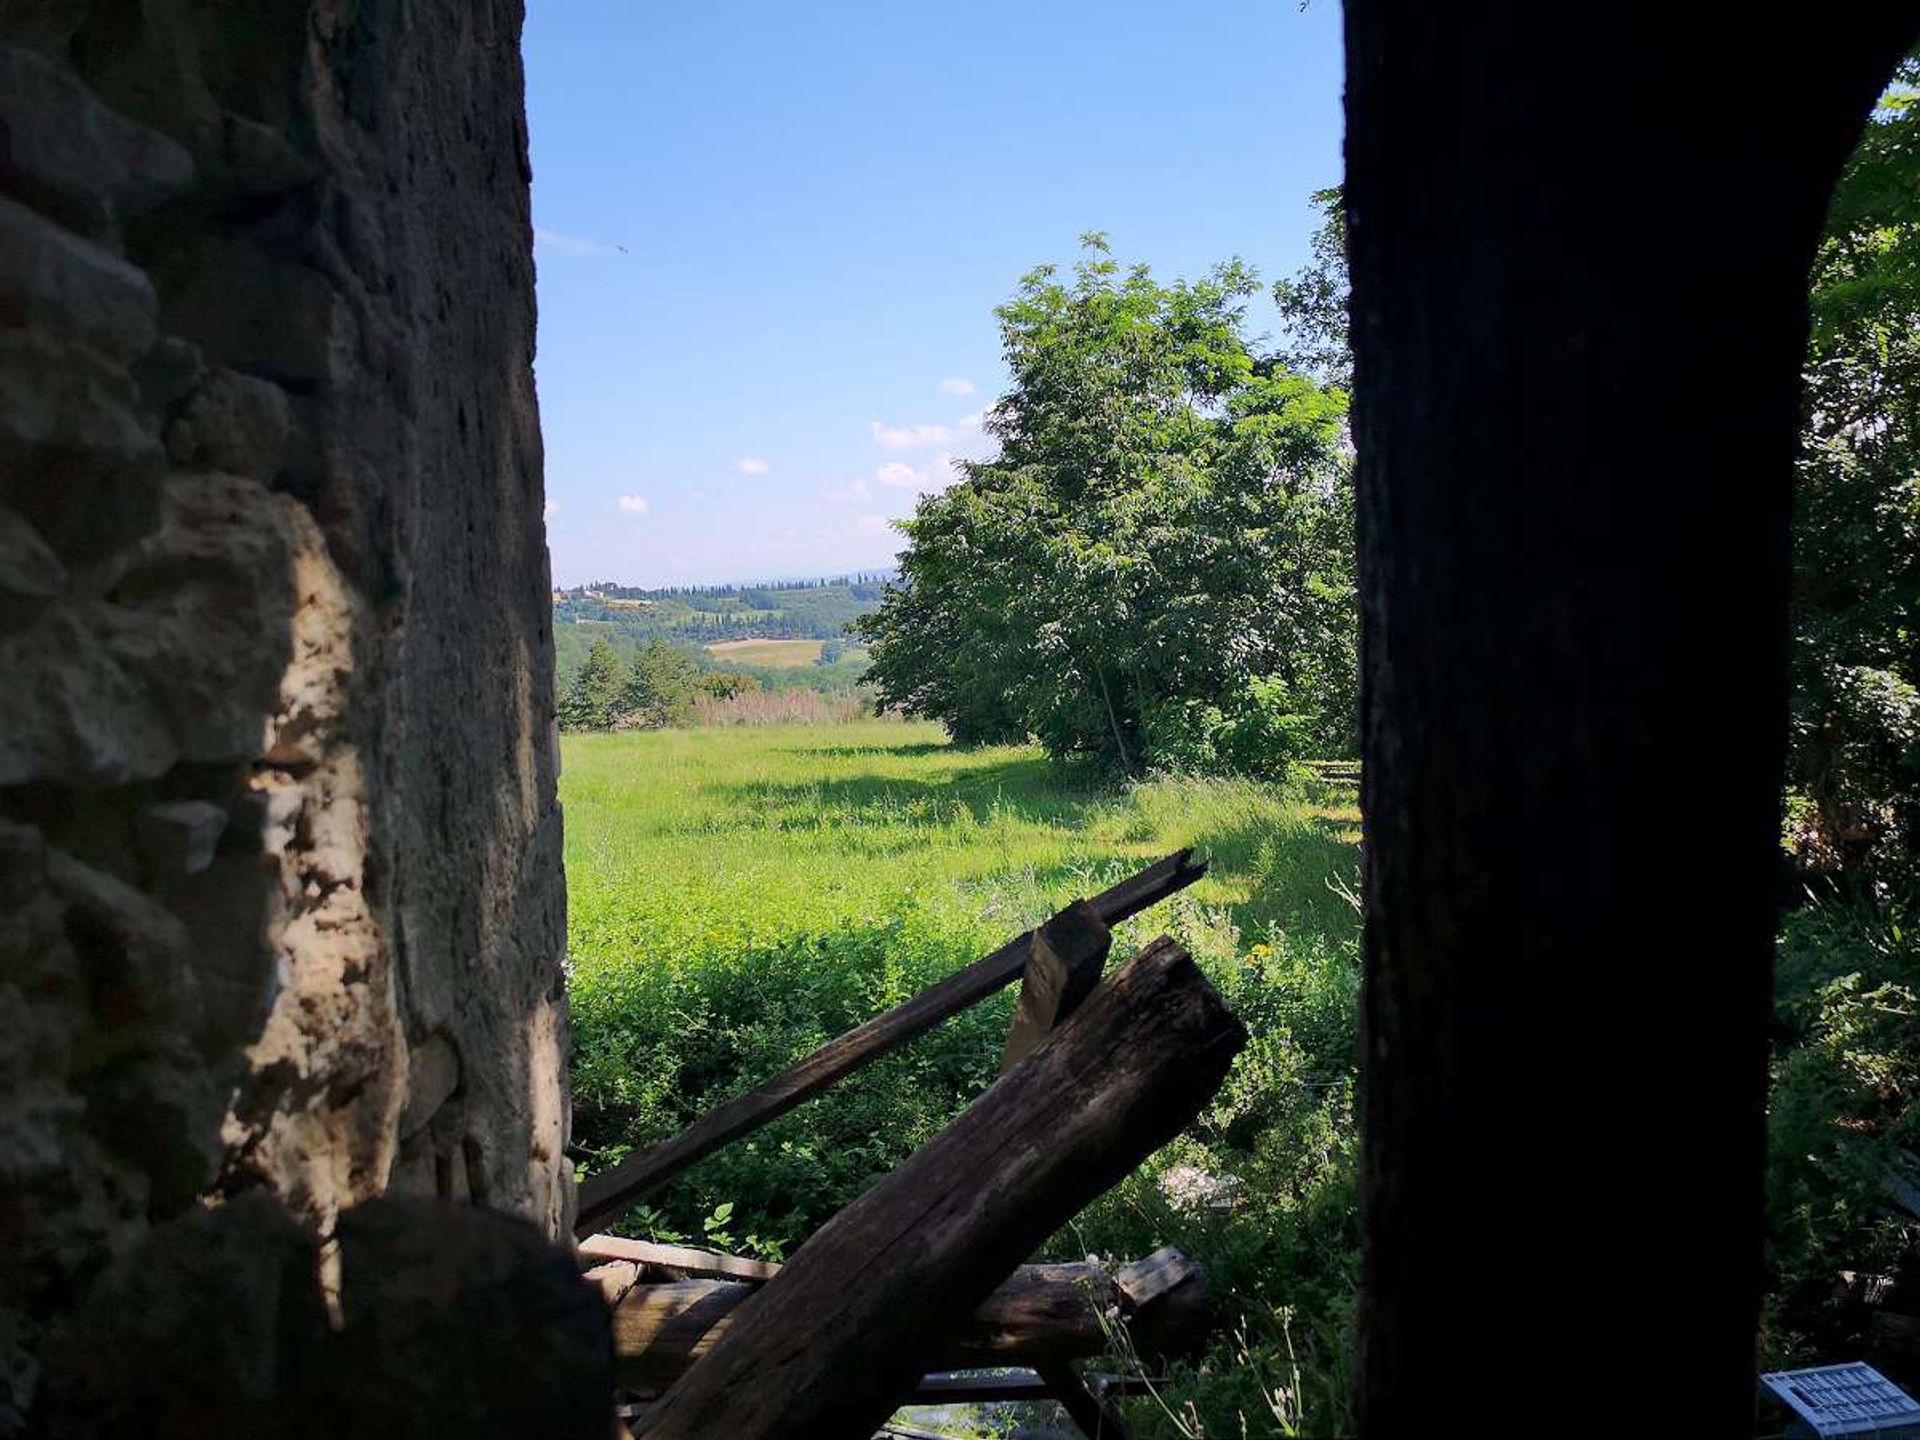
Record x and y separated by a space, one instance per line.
703 615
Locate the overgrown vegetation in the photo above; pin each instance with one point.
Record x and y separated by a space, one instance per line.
820 875
1846 1094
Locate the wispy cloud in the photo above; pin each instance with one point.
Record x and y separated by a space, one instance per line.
558 242
852 490
956 385
910 437
634 504
752 465
897 472
872 525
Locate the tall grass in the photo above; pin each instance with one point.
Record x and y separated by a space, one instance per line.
738 896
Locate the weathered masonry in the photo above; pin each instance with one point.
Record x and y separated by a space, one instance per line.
281 904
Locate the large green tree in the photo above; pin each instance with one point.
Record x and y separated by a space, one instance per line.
1855 761
1157 565
592 699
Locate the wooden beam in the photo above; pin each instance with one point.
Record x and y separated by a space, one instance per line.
1041 1313
1063 965
832 1343
612 1191
676 1262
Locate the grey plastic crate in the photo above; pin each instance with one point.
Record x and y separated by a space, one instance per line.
1851 1399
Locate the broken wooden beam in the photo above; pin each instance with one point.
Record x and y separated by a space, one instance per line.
834 1342
1041 1314
1064 963
611 1191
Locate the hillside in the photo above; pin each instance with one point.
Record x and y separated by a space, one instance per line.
713 619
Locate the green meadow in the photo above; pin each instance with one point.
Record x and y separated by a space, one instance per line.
739 896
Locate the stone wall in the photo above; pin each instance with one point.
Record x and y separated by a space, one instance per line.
280 893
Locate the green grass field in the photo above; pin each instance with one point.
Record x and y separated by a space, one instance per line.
768 654
739 896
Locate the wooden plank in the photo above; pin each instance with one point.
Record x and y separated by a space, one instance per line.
1063 965
1096 1419
1145 1281
676 1262
612 1191
831 1344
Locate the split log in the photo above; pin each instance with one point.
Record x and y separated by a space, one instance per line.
612 1191
1063 965
1042 1314
835 1341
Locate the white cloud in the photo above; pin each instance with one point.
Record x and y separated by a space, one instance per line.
872 525
752 465
955 385
553 509
939 472
558 242
852 490
910 437
634 504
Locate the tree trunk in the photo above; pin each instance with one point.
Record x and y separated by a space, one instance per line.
1579 256
840 1336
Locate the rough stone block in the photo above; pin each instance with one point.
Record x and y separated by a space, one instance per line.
214 1328
30 573
54 281
181 662
231 422
132 953
59 145
461 1321
261 314
180 836
79 458
433 1074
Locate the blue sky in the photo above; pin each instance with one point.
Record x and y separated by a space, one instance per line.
770 238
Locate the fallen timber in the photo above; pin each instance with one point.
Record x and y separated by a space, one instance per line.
608 1194
842 1334
1040 1315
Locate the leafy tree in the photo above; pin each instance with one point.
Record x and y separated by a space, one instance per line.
658 690
725 684
592 699
1856 726
1314 302
1162 543
832 652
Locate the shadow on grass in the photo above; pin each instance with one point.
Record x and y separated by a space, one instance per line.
848 752
1030 789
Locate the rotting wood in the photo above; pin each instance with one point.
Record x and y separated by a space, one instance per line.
612 1191
1063 965
1042 1313
832 1343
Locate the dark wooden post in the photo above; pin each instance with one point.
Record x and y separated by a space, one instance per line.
1579 239
1063 966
